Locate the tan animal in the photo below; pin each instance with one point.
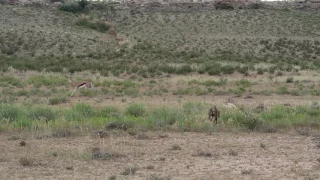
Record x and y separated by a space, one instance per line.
214 113
83 84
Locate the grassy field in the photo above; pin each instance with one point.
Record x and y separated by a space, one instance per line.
155 76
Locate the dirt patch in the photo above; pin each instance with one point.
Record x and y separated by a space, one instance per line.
282 156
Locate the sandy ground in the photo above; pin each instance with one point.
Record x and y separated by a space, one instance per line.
163 155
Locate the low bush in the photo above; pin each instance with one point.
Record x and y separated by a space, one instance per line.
41 113
48 80
97 26
109 111
58 100
71 7
185 69
164 117
228 69
135 110
7 80
9 112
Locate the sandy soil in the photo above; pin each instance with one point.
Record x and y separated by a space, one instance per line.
163 155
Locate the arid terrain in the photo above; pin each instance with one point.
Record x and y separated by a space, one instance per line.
144 75
161 155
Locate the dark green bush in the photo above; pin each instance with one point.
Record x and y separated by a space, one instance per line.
220 5
185 69
72 7
289 80
228 69
97 26
83 4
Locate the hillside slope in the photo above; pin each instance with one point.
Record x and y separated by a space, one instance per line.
145 38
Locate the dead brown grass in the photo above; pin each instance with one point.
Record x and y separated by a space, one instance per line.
288 156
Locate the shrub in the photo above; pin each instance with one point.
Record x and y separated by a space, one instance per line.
26 161
255 5
272 69
244 83
70 7
210 83
9 112
133 92
228 69
83 4
223 6
274 114
57 100
109 111
22 92
214 71
167 68
185 69
194 108
282 90
135 110
243 70
80 112
97 26
259 71
162 117
42 113
5 80
85 110
289 80
48 80
130 170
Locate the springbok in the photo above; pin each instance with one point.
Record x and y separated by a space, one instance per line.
84 84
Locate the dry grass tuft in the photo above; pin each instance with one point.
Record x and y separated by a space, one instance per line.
150 167
159 177
246 171
176 147
70 168
23 143
303 131
130 170
163 135
97 153
112 177
161 158
142 136
116 125
132 132
13 138
203 153
25 161
62 133
233 153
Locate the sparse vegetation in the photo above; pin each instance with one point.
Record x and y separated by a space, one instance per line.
136 110
156 72
57 100
130 170
26 161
